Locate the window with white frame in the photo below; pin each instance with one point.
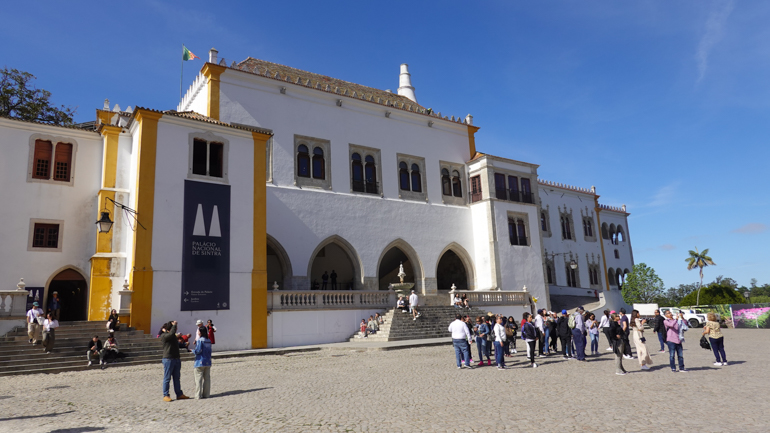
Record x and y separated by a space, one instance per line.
45 235
312 162
51 159
411 177
208 157
453 189
365 170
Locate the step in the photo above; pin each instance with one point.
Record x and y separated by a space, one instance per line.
81 360
55 369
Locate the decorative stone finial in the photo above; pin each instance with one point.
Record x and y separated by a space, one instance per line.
275 285
125 285
213 55
453 288
21 284
405 83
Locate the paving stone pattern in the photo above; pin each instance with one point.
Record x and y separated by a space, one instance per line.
410 390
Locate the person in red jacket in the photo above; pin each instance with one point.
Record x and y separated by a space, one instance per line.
212 329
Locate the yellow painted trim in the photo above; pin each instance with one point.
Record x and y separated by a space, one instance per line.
212 72
472 140
142 274
100 283
259 270
601 240
104 116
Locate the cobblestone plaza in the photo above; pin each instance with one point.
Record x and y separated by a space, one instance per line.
408 390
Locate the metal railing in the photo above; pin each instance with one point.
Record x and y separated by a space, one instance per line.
365 186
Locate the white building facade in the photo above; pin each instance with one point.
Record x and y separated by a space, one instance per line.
280 204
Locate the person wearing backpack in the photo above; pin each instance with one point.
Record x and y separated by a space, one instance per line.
565 334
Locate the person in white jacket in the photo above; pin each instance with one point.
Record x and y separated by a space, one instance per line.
500 337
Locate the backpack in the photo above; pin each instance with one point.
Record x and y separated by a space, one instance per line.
571 321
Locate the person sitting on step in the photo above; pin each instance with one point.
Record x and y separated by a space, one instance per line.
401 304
457 302
373 326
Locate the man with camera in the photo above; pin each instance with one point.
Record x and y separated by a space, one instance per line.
172 364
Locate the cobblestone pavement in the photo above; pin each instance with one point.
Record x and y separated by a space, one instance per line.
412 390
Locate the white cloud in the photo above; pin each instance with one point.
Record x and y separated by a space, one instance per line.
751 228
713 34
665 195
667 247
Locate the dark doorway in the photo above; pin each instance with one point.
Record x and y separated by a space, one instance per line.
389 265
73 295
274 269
451 271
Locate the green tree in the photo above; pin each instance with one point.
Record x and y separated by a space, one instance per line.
674 295
699 260
715 294
642 285
19 99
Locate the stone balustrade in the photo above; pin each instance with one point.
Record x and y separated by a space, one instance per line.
13 303
484 298
282 300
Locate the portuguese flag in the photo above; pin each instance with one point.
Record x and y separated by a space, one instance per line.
187 54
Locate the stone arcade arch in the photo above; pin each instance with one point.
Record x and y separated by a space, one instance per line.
72 285
278 265
387 266
454 267
336 254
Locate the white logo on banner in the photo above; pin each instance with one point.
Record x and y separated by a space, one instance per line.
199 229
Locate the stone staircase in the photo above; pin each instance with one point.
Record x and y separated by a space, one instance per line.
18 356
432 324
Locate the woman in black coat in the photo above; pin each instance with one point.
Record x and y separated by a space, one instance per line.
618 345
565 334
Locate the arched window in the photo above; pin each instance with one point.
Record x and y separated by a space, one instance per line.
318 163
569 229
617 254
543 222
303 161
416 179
611 276
591 276
605 233
370 172
358 173
619 277
612 233
621 235
522 233
403 176
571 277
548 274
457 187
563 229
446 182
596 276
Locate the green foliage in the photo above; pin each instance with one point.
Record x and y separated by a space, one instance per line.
19 99
759 299
714 294
642 285
674 295
699 260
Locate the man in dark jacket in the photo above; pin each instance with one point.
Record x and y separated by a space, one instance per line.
565 334
658 328
172 364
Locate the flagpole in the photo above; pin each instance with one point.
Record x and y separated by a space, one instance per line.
181 75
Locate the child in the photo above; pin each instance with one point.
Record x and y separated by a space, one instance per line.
363 328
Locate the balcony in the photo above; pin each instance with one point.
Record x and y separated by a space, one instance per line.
365 186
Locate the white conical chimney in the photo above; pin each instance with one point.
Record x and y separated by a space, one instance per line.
405 83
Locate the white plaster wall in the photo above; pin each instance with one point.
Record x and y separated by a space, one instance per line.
234 325
75 205
553 197
483 247
297 328
520 266
300 219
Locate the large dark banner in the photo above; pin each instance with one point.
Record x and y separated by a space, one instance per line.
206 255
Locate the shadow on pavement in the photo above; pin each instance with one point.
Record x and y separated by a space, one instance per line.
77 430
238 391
36 416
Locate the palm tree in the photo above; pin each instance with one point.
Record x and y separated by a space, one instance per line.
699 260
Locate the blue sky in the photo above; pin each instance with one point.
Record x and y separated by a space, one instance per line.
663 106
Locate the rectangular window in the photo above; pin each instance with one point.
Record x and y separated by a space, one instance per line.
46 236
42 163
500 187
526 191
216 157
475 189
200 149
513 187
62 162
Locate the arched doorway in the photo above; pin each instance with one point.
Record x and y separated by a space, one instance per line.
72 289
389 266
278 265
451 270
332 259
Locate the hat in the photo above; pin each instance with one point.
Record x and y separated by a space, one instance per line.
581 308
612 312
539 310
412 290
563 311
55 292
199 322
35 304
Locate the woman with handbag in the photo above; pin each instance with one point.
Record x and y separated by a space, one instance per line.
616 341
637 327
716 338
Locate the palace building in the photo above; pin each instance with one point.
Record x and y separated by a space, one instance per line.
281 204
